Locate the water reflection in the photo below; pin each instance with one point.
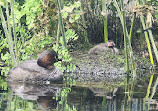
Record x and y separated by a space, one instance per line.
42 94
80 98
75 98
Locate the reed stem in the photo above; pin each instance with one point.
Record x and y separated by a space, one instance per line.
105 20
147 41
153 44
147 38
125 39
61 23
84 25
131 29
58 34
128 46
14 32
7 32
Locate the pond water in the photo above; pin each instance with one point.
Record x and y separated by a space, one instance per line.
137 95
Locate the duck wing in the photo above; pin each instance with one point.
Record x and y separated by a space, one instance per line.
31 65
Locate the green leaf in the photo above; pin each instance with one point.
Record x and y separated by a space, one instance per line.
67 9
71 20
77 16
2 3
64 15
77 4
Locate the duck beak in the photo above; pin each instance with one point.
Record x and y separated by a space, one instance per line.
56 59
110 45
59 60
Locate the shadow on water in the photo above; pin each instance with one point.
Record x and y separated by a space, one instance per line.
137 95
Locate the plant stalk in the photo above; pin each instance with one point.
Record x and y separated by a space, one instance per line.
14 32
129 47
147 41
61 23
105 20
131 29
8 36
84 25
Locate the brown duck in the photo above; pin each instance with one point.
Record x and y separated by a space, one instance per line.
104 47
41 70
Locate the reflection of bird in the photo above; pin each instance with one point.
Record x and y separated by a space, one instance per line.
103 47
42 69
46 103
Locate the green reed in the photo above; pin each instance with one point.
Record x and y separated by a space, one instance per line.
86 40
105 20
148 36
132 25
149 40
61 22
127 42
8 33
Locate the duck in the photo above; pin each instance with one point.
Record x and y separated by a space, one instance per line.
41 70
101 48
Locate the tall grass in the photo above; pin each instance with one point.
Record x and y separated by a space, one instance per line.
149 40
125 38
8 33
132 25
84 24
148 36
127 42
61 23
14 31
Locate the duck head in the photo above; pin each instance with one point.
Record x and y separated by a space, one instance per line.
47 59
110 44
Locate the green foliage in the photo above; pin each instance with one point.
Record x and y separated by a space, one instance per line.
70 36
3 43
30 8
64 53
28 47
46 22
72 12
2 3
3 84
18 104
63 94
65 65
5 57
152 2
3 99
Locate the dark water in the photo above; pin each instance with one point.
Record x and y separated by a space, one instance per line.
136 96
